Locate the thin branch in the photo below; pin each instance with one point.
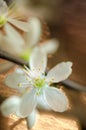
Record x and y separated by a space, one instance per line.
7 56
74 85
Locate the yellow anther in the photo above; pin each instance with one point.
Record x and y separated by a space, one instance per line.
19 84
39 83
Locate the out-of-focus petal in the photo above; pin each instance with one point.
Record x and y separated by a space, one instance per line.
56 99
14 42
38 61
28 103
19 70
34 33
15 80
6 44
10 105
31 119
60 72
19 24
50 46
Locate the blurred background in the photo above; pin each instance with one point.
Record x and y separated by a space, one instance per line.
66 20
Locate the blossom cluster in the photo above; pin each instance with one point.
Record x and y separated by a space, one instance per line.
36 87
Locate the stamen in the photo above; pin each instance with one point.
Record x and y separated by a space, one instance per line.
26 68
29 72
39 83
26 72
21 84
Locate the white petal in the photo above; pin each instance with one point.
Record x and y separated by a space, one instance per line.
19 24
28 103
10 105
31 119
19 70
56 99
42 104
3 40
15 80
13 40
38 61
34 33
6 44
50 46
60 72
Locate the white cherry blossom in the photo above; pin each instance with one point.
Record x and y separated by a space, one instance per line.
32 27
7 16
13 42
36 87
25 46
10 39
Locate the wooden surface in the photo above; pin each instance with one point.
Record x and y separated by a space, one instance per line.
45 121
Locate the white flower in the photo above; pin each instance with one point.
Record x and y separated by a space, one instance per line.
12 42
10 39
8 16
24 47
36 88
36 83
32 29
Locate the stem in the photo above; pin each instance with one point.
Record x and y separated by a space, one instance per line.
74 85
7 56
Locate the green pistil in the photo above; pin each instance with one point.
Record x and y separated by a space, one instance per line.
39 83
3 20
26 55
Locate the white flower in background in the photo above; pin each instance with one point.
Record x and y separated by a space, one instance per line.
15 44
34 86
10 40
32 27
7 16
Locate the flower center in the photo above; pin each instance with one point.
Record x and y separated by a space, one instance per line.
39 83
3 20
